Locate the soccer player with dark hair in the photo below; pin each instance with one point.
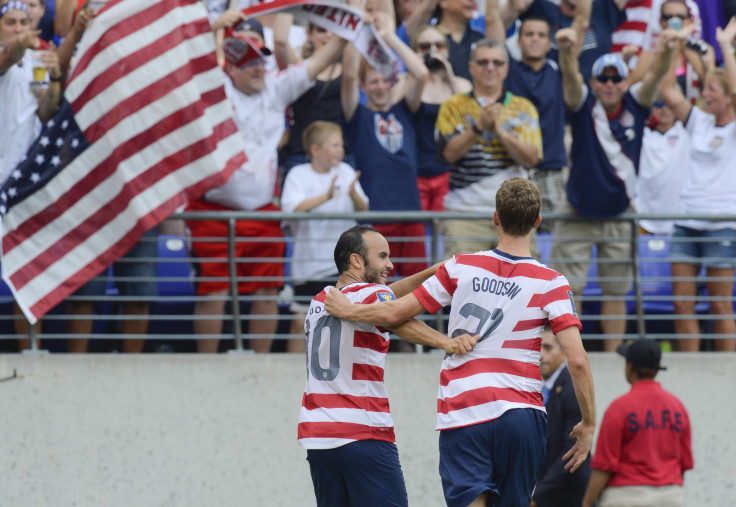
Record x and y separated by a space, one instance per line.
490 411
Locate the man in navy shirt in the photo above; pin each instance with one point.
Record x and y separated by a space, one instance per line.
538 78
607 119
384 141
605 17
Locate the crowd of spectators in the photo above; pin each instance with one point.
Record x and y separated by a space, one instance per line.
609 106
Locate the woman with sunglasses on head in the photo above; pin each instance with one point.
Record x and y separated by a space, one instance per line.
709 189
433 179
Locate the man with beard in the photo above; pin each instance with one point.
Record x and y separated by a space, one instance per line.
345 423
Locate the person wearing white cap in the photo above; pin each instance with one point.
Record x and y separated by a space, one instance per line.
607 119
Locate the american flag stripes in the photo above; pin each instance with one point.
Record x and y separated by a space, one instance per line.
144 127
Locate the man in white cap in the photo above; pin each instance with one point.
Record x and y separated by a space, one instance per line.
607 119
259 101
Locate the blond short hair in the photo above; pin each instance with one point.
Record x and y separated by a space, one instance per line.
720 74
317 133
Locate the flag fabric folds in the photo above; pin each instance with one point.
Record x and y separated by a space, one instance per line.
344 21
143 128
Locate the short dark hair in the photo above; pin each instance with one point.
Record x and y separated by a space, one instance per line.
537 18
351 242
518 202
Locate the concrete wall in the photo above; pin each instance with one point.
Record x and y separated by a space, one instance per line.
181 430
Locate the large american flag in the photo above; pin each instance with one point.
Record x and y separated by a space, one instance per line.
144 127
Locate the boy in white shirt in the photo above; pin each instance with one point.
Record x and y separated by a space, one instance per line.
325 185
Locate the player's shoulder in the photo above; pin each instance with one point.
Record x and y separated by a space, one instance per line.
366 293
321 297
503 264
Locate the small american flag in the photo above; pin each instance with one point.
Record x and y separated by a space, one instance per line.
143 128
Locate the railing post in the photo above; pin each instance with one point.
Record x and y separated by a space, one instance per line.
435 259
32 337
641 327
235 301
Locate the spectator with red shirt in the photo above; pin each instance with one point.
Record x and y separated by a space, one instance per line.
643 447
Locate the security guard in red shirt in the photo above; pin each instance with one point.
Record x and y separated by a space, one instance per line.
643 446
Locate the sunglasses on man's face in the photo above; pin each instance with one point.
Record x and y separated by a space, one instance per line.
485 63
427 46
604 79
667 17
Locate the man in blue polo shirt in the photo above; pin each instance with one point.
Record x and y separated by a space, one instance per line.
607 119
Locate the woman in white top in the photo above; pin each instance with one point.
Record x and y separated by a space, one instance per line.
709 189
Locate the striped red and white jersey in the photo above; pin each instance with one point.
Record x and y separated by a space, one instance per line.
345 398
507 300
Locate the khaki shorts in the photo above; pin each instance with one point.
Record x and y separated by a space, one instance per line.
469 236
551 184
643 496
573 243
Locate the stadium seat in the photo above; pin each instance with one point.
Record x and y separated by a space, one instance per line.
655 271
174 270
175 289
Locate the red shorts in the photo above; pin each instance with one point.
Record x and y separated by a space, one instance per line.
409 256
432 191
252 275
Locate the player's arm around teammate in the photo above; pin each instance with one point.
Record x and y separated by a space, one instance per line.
398 316
385 314
391 313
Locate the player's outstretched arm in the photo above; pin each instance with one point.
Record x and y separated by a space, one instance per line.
582 380
387 314
416 331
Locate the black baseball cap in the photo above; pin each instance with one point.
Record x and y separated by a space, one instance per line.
642 353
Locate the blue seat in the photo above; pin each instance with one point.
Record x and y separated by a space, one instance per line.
174 270
655 270
544 245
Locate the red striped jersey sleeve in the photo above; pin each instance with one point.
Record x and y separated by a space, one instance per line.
557 301
437 291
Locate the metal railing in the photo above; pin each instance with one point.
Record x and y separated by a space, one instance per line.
649 304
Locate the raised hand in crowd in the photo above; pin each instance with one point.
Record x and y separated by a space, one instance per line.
228 19
16 48
51 96
628 52
66 49
726 36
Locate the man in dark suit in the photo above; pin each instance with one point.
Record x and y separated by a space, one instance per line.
556 487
